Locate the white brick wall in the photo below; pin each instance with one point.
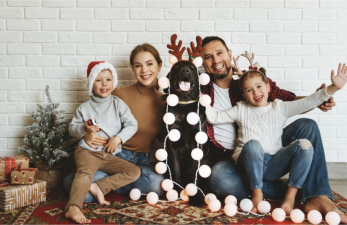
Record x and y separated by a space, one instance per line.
52 41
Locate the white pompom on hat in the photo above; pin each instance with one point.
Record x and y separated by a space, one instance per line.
94 68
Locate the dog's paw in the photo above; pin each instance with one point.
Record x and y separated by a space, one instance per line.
196 201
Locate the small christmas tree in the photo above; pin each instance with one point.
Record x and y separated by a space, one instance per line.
48 139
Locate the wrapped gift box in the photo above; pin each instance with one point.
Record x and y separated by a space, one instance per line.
9 163
15 196
24 176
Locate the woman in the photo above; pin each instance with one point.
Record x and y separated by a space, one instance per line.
144 101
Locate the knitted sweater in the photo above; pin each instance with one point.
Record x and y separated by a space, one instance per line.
112 115
148 109
264 124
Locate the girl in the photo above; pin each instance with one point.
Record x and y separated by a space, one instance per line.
259 151
144 101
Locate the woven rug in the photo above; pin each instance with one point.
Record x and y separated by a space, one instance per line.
125 211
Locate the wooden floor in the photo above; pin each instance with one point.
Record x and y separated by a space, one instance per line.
339 186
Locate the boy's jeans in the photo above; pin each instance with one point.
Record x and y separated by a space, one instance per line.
149 180
261 166
227 180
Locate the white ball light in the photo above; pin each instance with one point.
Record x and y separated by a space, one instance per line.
160 167
164 82
332 218
297 216
169 118
193 118
209 197
264 207
172 100
214 205
230 209
174 135
246 205
135 194
161 154
172 59
205 100
201 137
204 79
205 171
278 214
172 195
167 185
152 198
230 199
197 61
184 196
314 217
191 189
197 154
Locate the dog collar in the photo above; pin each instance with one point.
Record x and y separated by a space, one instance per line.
187 102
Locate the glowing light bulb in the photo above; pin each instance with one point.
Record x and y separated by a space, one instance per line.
205 171
264 207
205 100
230 199
152 198
314 217
161 154
209 197
169 118
201 137
192 118
172 195
230 209
167 185
246 205
135 194
174 135
184 196
214 205
172 100
160 167
297 216
332 218
197 154
204 79
278 215
163 82
191 189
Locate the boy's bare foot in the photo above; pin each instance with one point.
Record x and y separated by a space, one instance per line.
257 196
324 205
288 205
97 193
76 215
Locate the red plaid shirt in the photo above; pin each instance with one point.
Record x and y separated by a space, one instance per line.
235 95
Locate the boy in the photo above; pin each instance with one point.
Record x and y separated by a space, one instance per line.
115 122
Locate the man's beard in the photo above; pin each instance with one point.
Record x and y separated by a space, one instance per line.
221 76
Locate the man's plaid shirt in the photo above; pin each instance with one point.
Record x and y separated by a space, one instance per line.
236 96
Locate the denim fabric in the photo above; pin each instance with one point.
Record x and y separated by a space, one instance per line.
149 181
261 166
226 179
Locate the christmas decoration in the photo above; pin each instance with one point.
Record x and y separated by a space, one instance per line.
48 139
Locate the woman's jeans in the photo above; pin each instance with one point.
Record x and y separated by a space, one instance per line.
149 181
226 179
295 158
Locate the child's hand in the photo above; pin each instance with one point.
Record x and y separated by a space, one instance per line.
112 144
91 129
339 80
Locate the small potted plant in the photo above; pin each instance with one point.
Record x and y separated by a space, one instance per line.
48 142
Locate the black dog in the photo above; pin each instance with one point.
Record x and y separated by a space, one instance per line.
184 82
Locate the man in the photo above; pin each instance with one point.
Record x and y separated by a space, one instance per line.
225 178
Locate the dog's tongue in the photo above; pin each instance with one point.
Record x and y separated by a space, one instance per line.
184 85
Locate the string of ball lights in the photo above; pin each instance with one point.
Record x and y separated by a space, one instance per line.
230 208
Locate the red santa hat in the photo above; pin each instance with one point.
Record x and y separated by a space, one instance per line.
94 68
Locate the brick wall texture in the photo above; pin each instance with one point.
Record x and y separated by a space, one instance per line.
52 41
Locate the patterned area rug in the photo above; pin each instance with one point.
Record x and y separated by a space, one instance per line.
125 211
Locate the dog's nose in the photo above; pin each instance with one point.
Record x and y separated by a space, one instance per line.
185 70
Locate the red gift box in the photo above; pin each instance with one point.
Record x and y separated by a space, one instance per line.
9 163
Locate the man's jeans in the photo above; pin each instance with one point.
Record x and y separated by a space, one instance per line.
149 181
226 179
259 166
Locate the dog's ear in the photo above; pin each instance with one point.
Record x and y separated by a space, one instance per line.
166 90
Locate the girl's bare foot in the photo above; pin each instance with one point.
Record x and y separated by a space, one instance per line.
97 193
257 196
76 215
289 200
324 205
288 205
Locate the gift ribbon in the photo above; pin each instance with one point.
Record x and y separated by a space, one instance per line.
29 169
10 164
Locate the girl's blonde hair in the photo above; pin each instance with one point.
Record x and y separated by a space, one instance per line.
253 73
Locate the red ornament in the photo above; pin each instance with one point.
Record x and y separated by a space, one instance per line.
23 173
16 179
30 181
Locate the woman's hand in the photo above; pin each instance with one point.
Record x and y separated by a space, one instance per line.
92 139
112 144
